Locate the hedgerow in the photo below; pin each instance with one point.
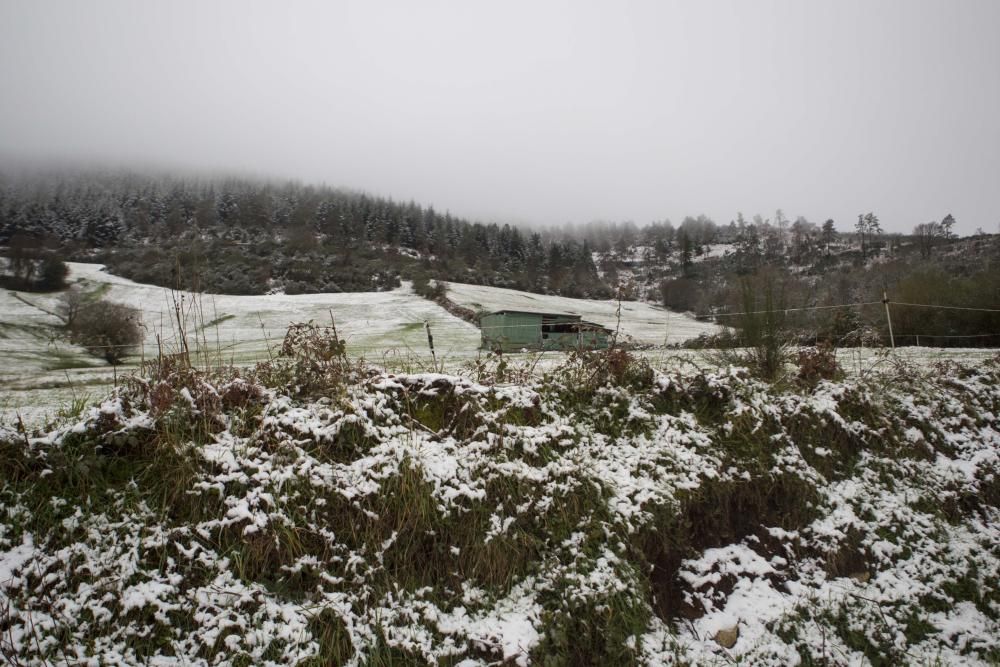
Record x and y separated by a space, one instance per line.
318 511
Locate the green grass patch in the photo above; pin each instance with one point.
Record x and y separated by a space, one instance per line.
64 360
37 331
217 321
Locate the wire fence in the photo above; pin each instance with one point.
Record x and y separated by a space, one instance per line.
931 305
796 310
268 344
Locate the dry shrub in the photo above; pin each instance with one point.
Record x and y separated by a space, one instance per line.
498 368
615 366
818 363
309 342
239 393
169 385
312 360
863 336
626 369
109 330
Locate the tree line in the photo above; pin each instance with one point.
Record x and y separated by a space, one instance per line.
241 236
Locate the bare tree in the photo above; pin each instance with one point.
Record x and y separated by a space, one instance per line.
109 330
868 227
929 233
946 224
926 234
70 303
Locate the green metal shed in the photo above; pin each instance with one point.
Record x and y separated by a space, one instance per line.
511 330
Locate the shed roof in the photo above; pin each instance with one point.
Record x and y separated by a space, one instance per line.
594 325
535 312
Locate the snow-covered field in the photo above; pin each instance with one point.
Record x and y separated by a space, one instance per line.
243 327
40 373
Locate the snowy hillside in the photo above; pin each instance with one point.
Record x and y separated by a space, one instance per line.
370 322
43 373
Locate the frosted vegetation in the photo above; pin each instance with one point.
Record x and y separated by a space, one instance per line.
315 510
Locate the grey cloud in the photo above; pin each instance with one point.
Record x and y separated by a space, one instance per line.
541 112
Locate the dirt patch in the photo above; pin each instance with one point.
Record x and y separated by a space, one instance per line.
717 514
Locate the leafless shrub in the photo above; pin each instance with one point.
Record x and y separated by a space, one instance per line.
169 387
818 363
107 329
70 304
312 359
498 368
863 336
590 369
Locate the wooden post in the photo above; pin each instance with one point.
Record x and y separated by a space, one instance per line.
430 342
333 325
888 317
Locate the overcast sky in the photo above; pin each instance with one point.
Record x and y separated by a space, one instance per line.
532 112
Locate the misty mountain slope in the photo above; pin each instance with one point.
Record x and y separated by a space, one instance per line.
240 236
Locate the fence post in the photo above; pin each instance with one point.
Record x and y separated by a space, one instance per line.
333 325
888 317
430 342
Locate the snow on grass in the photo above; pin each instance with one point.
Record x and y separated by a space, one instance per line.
39 371
714 251
43 373
370 322
642 321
